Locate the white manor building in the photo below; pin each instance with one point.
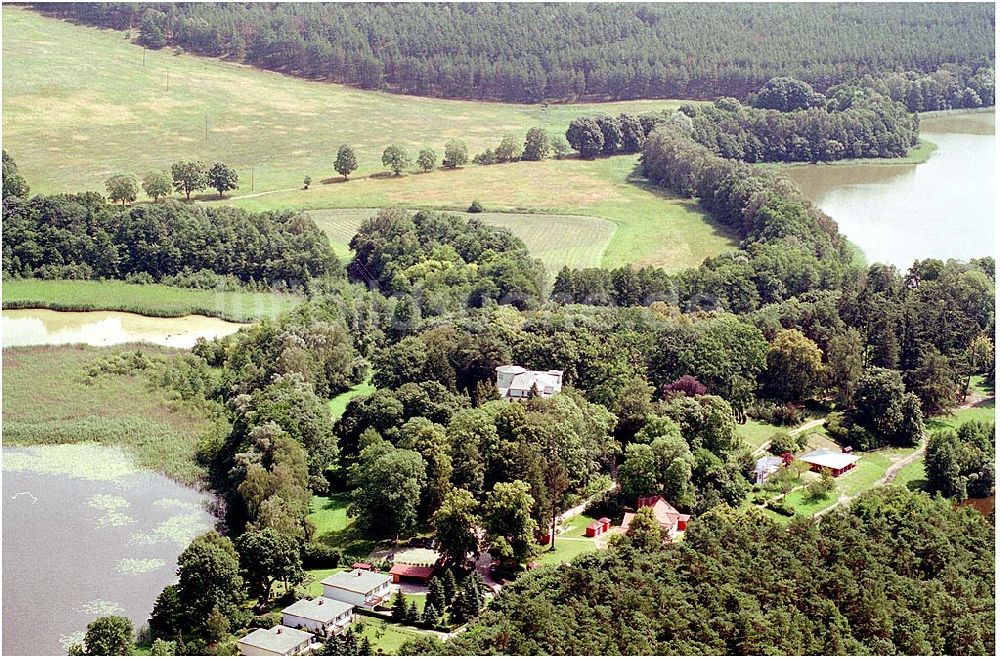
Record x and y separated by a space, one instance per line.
362 588
515 382
321 616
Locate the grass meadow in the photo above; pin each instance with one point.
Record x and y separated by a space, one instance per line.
71 122
49 399
146 299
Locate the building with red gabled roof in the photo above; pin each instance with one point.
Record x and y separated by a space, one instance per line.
671 520
401 571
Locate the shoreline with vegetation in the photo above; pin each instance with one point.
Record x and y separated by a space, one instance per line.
155 300
915 156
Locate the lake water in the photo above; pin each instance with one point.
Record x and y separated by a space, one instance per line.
29 327
943 208
86 534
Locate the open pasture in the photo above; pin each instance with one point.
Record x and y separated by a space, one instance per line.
71 121
569 212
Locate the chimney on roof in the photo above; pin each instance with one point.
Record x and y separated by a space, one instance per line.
279 630
319 602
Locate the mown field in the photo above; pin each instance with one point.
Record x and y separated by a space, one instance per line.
146 299
49 399
556 206
574 240
71 122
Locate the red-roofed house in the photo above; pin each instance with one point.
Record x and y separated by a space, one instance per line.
598 527
669 517
402 571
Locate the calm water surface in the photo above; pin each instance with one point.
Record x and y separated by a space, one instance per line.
29 327
943 208
85 534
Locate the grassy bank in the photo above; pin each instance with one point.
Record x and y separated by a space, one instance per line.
49 399
146 299
915 156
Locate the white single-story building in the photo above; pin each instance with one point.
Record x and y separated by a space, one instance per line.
836 463
321 616
358 587
278 641
515 382
766 466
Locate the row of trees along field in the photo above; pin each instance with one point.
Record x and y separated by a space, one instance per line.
535 52
82 236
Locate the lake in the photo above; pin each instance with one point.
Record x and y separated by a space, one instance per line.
29 327
943 208
86 534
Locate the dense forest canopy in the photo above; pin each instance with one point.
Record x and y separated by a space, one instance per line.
82 236
896 573
533 52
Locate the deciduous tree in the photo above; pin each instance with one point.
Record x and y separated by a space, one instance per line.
346 161
122 188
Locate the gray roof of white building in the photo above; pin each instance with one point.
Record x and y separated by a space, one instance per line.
321 609
357 581
279 638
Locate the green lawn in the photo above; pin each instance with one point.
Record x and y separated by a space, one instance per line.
756 433
803 505
48 399
980 385
576 241
71 122
984 411
335 529
386 637
570 543
145 299
338 404
913 476
868 470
